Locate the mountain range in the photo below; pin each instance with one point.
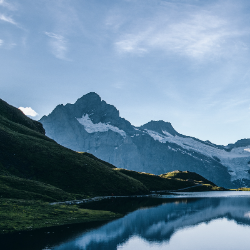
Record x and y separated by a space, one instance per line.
35 167
91 125
35 170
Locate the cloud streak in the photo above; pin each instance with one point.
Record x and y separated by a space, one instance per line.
7 19
195 34
58 45
7 5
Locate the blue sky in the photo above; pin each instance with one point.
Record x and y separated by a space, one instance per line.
183 61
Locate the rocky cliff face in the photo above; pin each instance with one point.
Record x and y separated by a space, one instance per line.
93 126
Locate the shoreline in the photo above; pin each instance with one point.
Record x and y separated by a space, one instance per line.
27 215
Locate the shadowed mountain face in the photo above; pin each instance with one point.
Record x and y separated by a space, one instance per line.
91 125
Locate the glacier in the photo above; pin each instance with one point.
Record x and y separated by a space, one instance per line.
235 160
90 127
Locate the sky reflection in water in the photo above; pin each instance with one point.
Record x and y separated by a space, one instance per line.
184 223
217 234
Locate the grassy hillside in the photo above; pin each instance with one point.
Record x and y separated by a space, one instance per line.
30 159
35 170
188 176
19 215
27 153
19 188
172 181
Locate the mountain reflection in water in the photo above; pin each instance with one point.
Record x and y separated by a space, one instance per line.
204 221
157 225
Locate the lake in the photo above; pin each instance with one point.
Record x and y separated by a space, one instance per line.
202 220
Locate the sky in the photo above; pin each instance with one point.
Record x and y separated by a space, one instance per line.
186 62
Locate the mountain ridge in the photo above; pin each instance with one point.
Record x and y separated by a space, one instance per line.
93 126
26 153
35 170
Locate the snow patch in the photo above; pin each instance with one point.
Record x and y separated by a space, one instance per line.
156 136
166 133
235 160
91 127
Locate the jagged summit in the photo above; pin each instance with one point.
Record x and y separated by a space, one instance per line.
89 104
91 97
160 127
88 114
91 125
240 143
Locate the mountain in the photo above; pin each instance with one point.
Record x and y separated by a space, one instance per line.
36 167
157 225
91 125
35 170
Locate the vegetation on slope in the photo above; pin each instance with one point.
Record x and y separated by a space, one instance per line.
19 188
242 189
18 215
27 153
193 178
13 114
34 170
186 175
172 181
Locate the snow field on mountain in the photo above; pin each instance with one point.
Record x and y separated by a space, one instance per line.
236 160
91 127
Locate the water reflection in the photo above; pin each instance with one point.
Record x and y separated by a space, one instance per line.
220 234
157 225
181 220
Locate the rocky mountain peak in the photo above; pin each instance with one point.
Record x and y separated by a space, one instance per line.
97 109
91 125
90 106
160 126
91 97
239 143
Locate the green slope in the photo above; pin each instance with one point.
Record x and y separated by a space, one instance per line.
186 175
19 188
35 170
172 181
27 153
23 215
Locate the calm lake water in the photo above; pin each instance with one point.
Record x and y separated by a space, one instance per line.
205 220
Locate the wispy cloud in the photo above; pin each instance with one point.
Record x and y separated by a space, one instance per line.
28 111
196 34
1 42
58 45
7 5
7 19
